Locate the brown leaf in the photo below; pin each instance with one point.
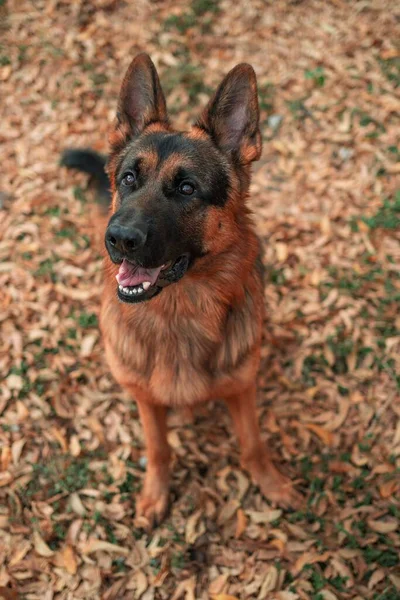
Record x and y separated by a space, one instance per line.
241 523
185 589
69 559
94 545
388 488
310 558
218 584
324 435
16 450
375 578
384 526
194 528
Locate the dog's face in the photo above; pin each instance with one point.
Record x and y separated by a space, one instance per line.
175 195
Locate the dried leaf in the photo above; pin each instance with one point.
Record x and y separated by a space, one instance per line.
40 545
384 526
87 344
69 560
76 504
241 523
375 578
93 545
217 585
266 516
194 527
310 558
282 251
324 435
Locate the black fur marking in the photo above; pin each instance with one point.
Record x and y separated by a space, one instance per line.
202 163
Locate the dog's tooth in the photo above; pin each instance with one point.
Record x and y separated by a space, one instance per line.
134 291
146 285
120 287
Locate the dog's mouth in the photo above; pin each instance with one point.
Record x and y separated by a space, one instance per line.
137 283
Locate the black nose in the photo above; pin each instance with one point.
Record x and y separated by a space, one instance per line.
125 239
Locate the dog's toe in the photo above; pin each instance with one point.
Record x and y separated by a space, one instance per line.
150 511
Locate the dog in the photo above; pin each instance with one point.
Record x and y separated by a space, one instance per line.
182 308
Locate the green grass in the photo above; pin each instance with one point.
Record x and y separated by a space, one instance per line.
266 95
391 70
200 14
387 216
46 267
317 75
87 320
390 593
57 475
187 75
178 560
384 558
365 119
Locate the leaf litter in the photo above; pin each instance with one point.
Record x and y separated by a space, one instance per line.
327 206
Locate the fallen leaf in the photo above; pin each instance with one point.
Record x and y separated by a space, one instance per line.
265 516
76 504
87 344
69 559
282 251
384 526
324 435
241 523
93 545
40 545
218 584
310 558
375 578
194 528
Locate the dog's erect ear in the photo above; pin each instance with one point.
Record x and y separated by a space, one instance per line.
231 117
141 99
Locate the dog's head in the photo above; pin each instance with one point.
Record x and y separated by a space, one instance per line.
177 196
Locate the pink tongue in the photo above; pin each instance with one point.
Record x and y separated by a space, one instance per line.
130 274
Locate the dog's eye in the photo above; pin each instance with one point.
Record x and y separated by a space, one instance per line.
128 179
186 188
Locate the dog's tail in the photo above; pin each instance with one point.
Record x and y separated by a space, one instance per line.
93 163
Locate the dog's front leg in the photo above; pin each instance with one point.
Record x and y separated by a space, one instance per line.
152 504
255 456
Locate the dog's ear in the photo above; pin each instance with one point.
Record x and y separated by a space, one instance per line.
141 99
231 117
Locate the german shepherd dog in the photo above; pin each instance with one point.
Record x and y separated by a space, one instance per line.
182 309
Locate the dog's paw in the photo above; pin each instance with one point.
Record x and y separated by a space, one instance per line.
281 492
150 510
275 487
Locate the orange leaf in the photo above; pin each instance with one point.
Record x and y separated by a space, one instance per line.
324 435
69 560
241 523
309 558
279 544
388 488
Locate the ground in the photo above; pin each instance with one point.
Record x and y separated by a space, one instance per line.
326 206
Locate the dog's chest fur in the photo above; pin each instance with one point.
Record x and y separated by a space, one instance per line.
182 345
